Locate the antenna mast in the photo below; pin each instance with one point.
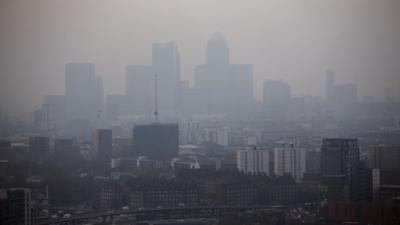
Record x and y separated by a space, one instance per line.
156 97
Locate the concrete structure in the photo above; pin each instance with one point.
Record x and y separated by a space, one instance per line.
16 206
290 159
253 160
156 140
223 87
140 80
83 91
337 154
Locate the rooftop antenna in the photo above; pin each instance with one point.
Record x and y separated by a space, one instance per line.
156 97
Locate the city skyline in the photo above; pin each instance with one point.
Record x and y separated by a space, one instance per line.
327 36
199 112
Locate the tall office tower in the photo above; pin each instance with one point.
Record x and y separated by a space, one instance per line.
217 51
360 182
102 144
140 80
156 140
223 87
337 156
39 148
84 91
16 206
290 159
252 160
140 88
276 99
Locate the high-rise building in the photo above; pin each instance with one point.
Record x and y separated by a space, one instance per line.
337 157
337 154
141 79
39 148
217 51
156 140
140 88
361 183
276 98
223 87
253 160
83 90
16 207
102 144
290 159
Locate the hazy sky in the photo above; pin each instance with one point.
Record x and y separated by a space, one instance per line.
293 40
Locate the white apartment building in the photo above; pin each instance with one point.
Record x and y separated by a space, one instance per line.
253 160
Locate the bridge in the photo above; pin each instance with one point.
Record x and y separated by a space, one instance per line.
161 213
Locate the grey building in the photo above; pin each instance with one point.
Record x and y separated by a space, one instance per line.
337 154
337 157
83 91
156 140
223 87
16 207
141 78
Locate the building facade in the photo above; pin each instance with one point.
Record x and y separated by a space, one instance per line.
253 160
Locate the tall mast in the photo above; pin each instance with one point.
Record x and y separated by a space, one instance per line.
156 97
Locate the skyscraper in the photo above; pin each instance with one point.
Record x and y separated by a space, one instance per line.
217 50
223 87
84 91
337 154
16 206
337 157
140 80
139 86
